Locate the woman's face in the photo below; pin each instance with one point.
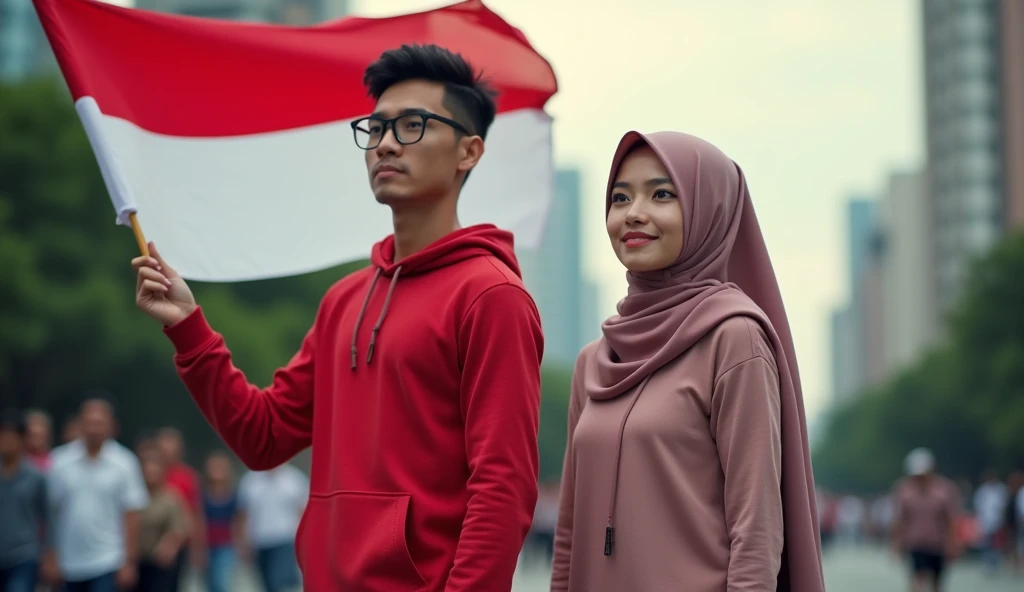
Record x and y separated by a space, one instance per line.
645 219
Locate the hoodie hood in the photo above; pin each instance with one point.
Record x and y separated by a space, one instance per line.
465 243
475 241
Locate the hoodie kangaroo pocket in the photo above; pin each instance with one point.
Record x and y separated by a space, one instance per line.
352 540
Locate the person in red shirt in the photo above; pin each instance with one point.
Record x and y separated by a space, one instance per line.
38 438
180 477
184 480
423 369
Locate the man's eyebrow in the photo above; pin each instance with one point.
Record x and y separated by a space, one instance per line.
406 111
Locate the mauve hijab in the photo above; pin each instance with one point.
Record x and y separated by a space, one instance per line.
723 271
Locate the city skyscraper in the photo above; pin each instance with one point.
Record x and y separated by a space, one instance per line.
24 51
974 97
554 275
289 12
909 321
844 359
849 323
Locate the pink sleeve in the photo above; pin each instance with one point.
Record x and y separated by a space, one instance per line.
745 423
954 502
897 503
563 529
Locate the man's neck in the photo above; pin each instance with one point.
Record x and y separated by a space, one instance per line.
93 452
417 227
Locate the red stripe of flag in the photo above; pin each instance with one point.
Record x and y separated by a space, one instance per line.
186 76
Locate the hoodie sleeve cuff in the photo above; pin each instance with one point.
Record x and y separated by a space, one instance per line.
191 333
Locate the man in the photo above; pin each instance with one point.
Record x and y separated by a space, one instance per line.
184 480
272 503
927 508
990 500
424 369
38 438
23 508
97 492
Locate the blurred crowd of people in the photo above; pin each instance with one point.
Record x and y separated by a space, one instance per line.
93 515
930 519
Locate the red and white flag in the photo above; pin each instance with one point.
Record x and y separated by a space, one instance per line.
231 141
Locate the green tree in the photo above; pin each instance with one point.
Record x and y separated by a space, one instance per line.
988 337
68 321
556 384
964 400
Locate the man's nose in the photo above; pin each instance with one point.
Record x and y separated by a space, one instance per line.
389 143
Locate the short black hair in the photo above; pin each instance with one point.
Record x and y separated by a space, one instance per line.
469 98
13 420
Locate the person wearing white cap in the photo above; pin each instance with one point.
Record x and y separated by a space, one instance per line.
927 508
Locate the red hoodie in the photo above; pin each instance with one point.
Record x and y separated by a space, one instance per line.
418 387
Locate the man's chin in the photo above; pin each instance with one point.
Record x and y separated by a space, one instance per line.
389 196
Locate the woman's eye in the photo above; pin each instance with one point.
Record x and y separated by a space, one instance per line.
619 198
663 194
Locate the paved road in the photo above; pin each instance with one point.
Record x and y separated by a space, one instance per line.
873 570
861 570
846 570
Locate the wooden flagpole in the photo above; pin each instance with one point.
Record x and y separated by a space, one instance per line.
139 237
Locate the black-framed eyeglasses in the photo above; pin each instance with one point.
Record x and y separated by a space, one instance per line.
408 128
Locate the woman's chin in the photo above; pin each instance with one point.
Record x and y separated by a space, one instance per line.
645 262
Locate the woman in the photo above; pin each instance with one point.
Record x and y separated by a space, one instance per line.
220 504
687 466
163 527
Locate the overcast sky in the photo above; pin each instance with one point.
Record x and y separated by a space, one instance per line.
815 100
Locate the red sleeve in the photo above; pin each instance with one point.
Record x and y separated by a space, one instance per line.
500 347
264 427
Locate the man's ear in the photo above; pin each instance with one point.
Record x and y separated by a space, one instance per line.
471 150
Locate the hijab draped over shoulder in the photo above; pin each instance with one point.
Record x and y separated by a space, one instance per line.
722 271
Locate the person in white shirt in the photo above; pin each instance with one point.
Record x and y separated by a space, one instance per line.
851 514
273 502
990 501
1019 503
97 491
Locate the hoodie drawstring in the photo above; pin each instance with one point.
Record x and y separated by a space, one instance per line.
383 313
362 312
609 531
380 320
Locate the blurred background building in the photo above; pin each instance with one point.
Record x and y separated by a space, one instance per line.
554 275
910 246
289 12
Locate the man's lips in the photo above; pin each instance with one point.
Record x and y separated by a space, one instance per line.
386 170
